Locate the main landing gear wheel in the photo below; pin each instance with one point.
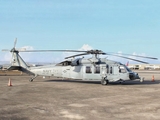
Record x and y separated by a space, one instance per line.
104 82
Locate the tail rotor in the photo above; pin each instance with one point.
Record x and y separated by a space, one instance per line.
16 59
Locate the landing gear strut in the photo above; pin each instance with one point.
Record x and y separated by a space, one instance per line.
142 79
31 80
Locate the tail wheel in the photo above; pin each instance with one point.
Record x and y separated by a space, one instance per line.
104 82
31 80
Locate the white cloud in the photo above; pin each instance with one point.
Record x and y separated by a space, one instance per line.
86 47
27 48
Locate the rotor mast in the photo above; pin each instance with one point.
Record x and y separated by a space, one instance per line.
95 53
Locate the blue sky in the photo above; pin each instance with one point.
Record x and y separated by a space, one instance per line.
127 26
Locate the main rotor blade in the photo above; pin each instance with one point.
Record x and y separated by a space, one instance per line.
129 58
51 51
148 57
76 55
87 52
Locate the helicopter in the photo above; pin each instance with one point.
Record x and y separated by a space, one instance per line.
92 69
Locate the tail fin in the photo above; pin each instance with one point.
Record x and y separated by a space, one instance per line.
17 63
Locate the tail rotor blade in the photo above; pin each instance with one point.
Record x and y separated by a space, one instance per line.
15 42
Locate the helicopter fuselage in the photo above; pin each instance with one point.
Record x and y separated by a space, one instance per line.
104 69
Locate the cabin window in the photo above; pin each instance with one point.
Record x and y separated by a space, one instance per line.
107 68
88 69
111 70
97 69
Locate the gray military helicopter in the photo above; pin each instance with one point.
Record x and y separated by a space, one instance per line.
93 69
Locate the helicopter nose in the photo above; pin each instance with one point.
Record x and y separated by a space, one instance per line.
133 76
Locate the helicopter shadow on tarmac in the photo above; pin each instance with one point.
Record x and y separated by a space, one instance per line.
147 82
73 81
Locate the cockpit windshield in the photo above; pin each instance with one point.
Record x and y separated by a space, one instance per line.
129 70
123 69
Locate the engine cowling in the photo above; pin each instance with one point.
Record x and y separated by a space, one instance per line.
75 62
83 61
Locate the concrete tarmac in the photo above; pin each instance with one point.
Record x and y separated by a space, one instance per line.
56 99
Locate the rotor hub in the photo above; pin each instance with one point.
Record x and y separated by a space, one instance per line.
95 52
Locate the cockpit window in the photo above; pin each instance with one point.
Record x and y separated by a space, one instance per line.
129 70
122 69
64 63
